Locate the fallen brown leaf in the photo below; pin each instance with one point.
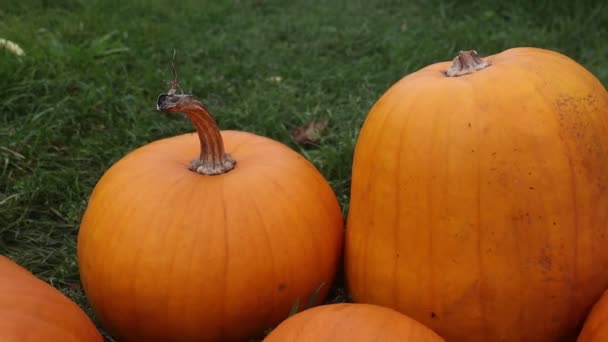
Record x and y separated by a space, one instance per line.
311 133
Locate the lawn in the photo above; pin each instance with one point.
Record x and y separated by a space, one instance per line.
84 93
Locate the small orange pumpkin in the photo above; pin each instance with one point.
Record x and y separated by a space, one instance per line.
596 324
33 311
479 197
219 248
351 323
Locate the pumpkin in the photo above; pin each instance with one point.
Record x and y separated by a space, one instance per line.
479 197
32 310
219 248
595 328
346 322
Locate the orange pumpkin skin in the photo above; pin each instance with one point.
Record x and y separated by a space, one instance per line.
351 323
166 254
33 311
596 324
479 203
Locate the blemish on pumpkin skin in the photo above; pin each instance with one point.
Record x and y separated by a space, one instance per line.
521 217
583 137
545 261
281 287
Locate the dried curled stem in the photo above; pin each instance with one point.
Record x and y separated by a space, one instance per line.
173 83
213 159
467 62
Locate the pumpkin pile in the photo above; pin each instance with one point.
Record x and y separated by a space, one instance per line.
478 212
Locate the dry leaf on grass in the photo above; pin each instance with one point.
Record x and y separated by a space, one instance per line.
311 133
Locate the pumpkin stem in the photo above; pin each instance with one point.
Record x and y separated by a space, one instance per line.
467 62
213 159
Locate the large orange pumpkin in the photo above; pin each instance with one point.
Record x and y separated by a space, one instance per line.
479 202
219 248
351 323
596 324
33 311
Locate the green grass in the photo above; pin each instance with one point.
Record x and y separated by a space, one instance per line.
84 94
